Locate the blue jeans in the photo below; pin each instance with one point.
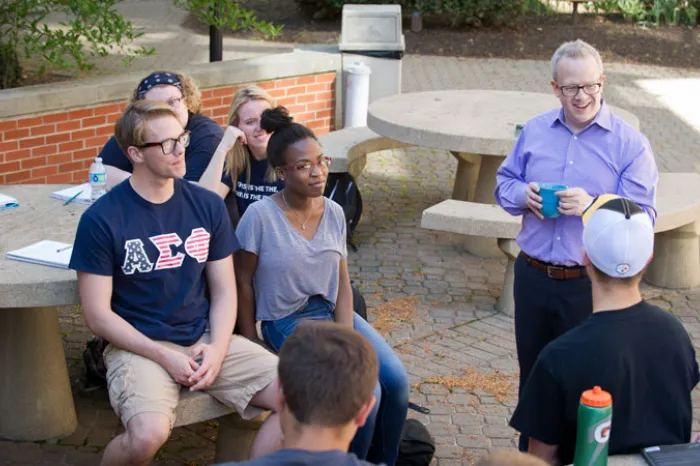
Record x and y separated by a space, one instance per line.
378 440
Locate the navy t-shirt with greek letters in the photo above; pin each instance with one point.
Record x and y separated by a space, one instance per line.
155 254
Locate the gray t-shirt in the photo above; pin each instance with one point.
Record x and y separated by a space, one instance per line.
294 457
290 267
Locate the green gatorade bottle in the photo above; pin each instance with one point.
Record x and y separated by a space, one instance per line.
593 428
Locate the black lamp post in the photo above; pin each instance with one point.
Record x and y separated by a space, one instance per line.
216 42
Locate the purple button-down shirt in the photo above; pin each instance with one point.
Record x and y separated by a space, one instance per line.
607 157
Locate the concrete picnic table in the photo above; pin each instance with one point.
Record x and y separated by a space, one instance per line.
478 127
35 396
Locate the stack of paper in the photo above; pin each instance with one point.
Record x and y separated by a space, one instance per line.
85 196
7 202
46 252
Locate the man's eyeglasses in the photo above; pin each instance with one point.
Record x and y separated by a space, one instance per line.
308 167
168 145
174 102
570 91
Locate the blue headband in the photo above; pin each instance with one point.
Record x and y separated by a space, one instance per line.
157 79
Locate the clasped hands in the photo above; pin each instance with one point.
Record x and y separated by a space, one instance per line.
572 201
196 371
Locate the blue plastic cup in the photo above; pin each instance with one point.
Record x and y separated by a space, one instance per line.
550 202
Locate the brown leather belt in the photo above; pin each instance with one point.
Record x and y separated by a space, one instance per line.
556 272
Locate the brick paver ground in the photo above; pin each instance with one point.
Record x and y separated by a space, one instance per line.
433 301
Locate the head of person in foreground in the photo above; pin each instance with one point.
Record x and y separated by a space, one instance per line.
327 374
510 458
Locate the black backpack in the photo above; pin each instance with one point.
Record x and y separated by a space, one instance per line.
95 369
342 188
417 445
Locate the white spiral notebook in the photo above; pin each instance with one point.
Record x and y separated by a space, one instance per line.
46 252
83 191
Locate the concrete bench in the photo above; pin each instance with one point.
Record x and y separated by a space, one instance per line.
676 262
349 147
235 435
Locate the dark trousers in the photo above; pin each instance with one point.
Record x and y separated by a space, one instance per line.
544 309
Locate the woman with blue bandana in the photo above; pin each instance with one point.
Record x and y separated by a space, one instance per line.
181 93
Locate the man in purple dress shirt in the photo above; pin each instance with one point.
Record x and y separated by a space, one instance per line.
584 146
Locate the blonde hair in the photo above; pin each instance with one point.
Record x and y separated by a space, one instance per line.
237 158
510 458
190 92
130 129
575 49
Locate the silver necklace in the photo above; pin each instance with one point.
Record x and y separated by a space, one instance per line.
303 225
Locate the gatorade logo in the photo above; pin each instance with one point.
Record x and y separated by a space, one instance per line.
602 432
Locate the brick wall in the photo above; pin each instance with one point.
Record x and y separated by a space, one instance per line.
59 147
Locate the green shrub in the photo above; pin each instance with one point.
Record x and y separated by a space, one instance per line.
670 12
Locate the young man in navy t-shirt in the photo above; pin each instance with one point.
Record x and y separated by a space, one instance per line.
155 273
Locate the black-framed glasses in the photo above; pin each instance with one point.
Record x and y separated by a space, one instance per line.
168 145
308 166
589 89
174 102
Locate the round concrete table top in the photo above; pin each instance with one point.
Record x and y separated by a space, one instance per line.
476 121
38 217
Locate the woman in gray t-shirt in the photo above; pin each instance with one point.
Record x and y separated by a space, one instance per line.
293 266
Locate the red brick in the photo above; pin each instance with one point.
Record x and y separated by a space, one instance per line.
45 171
303 117
294 110
7 125
287 101
324 130
106 130
325 78
16 134
55 117
8 146
32 142
318 106
224 92
319 87
44 150
43 129
80 114
285 83
94 121
28 122
213 102
296 90
68 126
207 112
82 134
113 117
69 167
324 114
86 153
80 176
326 95
267 85
221 119
2 180
41 180
59 159
98 141
107 109
56 138
60 179
306 79
71 146
17 177
207 94
17 155
220 111
302 99
9 167
33 162
276 93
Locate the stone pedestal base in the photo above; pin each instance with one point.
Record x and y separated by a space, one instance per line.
235 437
36 402
506 304
676 262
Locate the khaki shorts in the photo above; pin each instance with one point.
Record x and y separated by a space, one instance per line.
138 385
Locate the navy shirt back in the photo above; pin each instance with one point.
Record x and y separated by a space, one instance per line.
253 189
155 254
205 135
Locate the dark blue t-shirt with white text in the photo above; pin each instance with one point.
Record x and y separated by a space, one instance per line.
253 189
156 254
205 135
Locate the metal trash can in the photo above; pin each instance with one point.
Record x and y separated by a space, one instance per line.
371 34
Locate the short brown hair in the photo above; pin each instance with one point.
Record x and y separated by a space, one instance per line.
510 458
327 372
131 127
190 91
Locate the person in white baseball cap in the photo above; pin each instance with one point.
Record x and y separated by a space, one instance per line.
637 352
